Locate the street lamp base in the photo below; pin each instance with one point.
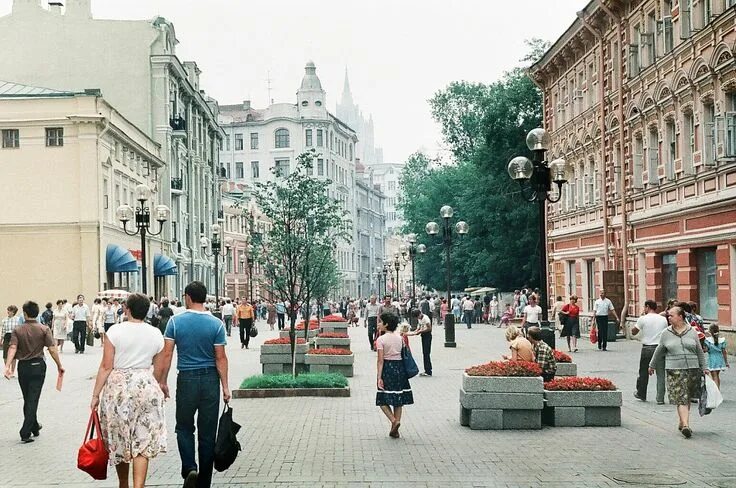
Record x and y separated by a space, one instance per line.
548 333
450 330
450 344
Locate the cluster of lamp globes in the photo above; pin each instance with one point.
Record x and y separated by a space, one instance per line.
125 212
521 168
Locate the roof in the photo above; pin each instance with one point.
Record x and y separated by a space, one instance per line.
8 88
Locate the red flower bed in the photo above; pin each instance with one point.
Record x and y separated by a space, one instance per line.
561 357
284 340
574 383
330 352
312 326
333 335
334 318
505 368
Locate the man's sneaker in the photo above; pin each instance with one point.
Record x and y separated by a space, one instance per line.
26 440
425 374
191 480
636 395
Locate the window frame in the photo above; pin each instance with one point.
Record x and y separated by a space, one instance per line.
282 138
255 169
54 139
238 146
10 138
254 140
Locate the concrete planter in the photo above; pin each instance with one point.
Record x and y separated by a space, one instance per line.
332 342
327 363
341 327
299 333
501 402
582 408
283 348
276 358
566 369
292 392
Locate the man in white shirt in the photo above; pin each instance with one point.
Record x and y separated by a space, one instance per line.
228 310
531 312
424 329
468 305
651 325
371 321
602 307
82 318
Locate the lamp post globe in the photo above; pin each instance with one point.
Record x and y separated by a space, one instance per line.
446 212
538 140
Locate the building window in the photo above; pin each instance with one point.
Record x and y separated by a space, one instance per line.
320 141
669 39
689 143
255 170
11 138
649 40
282 138
634 56
350 151
320 167
669 167
227 142
239 170
653 155
308 137
638 161
686 18
391 185
707 290
572 283
590 271
282 167
254 140
726 129
238 142
709 134
617 170
54 137
669 276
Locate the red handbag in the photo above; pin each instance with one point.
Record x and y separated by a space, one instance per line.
594 335
93 456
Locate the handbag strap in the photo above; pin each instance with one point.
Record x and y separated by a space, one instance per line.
94 423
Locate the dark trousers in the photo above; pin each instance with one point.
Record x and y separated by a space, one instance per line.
280 319
79 335
245 326
468 318
197 391
228 319
6 345
426 351
601 322
31 374
372 329
642 382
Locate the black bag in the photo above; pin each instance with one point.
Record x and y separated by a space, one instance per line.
226 445
253 331
410 366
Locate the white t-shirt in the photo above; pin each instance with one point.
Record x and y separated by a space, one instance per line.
228 309
602 307
135 344
650 328
80 312
532 313
424 323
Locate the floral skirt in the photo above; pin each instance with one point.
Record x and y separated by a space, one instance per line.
132 415
396 388
683 385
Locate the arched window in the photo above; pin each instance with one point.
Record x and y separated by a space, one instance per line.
282 138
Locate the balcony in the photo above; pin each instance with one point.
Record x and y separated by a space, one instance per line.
177 186
179 126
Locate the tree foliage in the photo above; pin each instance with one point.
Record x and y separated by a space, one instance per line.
484 126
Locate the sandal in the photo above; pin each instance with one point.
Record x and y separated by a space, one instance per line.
687 432
394 430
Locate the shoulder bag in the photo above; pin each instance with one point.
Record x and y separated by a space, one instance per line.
410 366
93 456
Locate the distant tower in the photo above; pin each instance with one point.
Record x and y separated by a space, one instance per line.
79 8
311 98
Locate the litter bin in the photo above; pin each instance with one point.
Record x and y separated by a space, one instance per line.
612 330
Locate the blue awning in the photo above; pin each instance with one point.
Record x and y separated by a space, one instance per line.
163 266
120 260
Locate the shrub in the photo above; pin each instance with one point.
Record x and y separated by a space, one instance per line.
575 383
331 351
505 368
333 335
285 340
334 318
561 357
305 380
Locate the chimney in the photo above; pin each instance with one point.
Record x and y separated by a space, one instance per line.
246 104
55 7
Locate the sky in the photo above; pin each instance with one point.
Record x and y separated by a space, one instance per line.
398 53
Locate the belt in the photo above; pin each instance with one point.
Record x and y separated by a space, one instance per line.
32 359
199 371
649 345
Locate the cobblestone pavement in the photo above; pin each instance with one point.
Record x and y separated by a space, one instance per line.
306 442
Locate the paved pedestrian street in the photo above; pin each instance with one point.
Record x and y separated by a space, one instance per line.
309 442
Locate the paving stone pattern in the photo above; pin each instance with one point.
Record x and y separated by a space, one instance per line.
336 442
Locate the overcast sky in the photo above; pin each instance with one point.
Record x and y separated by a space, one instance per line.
398 53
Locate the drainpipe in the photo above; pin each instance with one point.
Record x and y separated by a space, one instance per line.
602 127
624 216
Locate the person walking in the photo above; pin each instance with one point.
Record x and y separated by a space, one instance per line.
9 324
393 388
571 326
468 306
371 320
228 310
650 325
27 343
164 315
444 309
47 317
685 364
602 307
715 344
82 318
455 306
271 310
59 325
493 309
245 316
129 398
424 329
555 313
531 312
281 314
199 338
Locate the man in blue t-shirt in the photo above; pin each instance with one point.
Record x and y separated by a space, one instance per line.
199 338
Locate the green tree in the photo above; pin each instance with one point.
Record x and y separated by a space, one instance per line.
305 224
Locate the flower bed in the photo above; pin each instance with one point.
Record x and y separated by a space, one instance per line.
333 335
330 360
565 366
284 340
502 395
582 402
330 351
299 333
313 325
307 384
334 318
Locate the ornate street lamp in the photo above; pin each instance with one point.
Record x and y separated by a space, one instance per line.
461 228
142 214
399 263
215 244
385 271
535 177
410 252
379 271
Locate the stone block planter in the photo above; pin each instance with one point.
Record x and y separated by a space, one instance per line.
501 402
299 333
291 392
582 408
566 369
341 327
328 363
276 358
332 343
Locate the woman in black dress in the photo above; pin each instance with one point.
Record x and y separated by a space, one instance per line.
393 385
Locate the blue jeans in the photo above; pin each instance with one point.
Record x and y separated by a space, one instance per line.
197 391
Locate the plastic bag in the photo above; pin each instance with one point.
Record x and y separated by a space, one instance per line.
594 335
703 400
714 394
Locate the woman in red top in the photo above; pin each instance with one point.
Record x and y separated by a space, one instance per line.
570 316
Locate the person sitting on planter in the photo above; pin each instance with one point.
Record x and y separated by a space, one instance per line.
521 348
543 354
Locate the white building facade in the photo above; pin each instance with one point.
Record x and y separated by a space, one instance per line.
386 176
370 225
259 143
135 66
